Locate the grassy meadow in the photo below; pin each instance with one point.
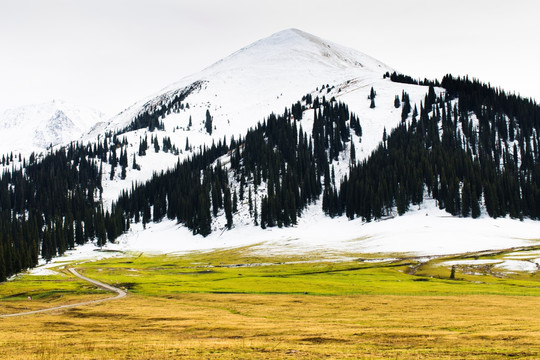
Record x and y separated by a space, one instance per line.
233 304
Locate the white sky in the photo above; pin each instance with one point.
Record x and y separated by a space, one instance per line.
108 54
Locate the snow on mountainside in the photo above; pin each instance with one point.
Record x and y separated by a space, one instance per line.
244 88
36 127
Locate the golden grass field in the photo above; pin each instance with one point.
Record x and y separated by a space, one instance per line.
245 326
247 313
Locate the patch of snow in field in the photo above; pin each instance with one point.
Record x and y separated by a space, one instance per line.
81 253
522 255
470 262
517 265
41 271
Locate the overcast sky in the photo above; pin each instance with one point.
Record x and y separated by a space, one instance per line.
108 54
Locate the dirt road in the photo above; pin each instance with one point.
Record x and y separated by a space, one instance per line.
119 294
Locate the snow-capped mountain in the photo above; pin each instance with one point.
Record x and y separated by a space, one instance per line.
36 127
244 88
268 76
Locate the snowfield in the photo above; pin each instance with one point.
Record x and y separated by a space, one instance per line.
422 232
427 231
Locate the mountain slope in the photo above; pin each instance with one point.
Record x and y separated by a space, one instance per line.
36 127
244 88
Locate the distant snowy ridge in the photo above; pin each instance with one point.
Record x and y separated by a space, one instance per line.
36 127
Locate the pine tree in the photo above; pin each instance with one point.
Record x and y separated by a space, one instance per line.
466 199
235 202
135 166
475 205
401 200
146 215
406 109
143 146
372 93
208 122
228 208
250 202
79 233
255 211
264 212
46 247
204 217
101 232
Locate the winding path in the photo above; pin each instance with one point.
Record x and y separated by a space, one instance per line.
119 294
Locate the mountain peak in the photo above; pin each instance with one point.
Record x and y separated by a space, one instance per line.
290 33
295 48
